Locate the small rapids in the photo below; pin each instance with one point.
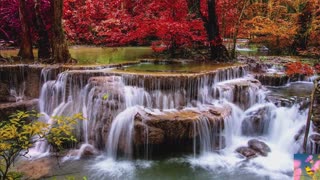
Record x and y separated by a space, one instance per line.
284 124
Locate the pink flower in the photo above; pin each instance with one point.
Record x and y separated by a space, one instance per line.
316 165
297 174
309 158
296 163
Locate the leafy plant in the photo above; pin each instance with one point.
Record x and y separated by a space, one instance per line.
22 130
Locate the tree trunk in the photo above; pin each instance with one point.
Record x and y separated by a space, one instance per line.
304 22
44 49
60 51
25 51
218 50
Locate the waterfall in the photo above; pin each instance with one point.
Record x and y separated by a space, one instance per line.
217 111
206 136
103 99
120 136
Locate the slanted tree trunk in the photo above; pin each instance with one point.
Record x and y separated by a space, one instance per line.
60 51
25 51
44 48
236 27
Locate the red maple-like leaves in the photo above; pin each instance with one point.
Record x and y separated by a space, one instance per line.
122 22
117 23
294 68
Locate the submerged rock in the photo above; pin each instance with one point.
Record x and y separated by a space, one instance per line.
259 146
254 149
87 151
247 152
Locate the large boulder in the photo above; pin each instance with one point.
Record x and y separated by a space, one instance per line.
259 146
106 98
178 130
179 125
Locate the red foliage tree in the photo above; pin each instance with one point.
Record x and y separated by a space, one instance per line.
179 24
294 68
116 23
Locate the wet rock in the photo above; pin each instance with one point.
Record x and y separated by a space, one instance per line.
22 78
300 133
7 109
247 152
106 99
240 91
272 79
219 142
259 146
305 104
256 122
36 169
147 135
87 151
281 101
214 112
5 93
314 144
181 126
182 81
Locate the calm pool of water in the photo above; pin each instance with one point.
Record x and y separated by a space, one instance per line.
190 67
98 55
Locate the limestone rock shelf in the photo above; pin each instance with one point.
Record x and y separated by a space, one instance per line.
8 108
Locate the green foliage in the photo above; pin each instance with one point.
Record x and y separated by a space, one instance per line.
61 131
22 130
263 58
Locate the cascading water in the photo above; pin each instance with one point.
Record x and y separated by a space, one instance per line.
110 103
121 133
